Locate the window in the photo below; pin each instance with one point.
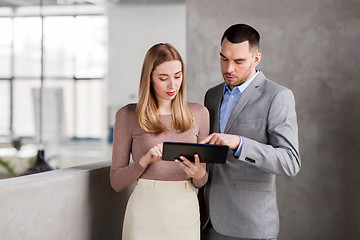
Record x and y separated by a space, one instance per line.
27 47
74 63
5 107
5 74
5 47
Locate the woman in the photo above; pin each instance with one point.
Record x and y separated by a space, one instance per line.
163 204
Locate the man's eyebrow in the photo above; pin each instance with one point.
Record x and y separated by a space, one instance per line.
236 60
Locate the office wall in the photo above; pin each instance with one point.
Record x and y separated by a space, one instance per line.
133 29
312 48
73 203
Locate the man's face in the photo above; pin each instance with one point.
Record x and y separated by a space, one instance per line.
238 62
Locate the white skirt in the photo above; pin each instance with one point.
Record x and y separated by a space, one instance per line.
159 210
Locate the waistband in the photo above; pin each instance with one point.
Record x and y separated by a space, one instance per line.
164 184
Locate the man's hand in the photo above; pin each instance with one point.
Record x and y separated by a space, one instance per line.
232 141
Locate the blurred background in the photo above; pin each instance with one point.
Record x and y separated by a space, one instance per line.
87 56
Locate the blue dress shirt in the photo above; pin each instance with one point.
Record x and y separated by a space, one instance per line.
229 100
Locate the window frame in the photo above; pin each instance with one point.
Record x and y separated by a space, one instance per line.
12 78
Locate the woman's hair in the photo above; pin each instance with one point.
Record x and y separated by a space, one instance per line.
147 106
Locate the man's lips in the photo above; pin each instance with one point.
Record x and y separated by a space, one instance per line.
230 77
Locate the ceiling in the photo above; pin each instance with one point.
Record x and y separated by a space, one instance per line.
22 3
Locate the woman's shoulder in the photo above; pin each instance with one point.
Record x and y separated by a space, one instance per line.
127 111
198 109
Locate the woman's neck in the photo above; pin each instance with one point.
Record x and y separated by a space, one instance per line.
164 108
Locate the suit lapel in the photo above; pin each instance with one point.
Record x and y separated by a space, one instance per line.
217 98
244 99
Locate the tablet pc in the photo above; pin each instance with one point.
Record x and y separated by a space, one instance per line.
208 153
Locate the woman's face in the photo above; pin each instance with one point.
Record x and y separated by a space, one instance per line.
166 80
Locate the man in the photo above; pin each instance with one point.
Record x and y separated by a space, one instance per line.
256 118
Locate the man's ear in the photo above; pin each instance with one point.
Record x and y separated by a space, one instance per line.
257 59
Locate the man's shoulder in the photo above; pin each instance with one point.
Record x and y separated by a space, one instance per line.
274 87
216 88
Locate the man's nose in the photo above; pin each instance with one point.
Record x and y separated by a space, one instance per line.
230 67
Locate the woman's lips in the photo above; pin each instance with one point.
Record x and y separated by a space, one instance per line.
171 93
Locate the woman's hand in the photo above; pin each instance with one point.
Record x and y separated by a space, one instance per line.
154 154
194 170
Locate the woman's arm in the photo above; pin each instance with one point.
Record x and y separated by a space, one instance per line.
121 173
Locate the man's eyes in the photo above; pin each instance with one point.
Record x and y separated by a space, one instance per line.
236 61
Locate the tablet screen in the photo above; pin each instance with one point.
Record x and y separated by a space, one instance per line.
208 153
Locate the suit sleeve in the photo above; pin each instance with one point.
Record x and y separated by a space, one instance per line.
281 155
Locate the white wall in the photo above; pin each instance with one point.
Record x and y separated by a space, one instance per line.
133 29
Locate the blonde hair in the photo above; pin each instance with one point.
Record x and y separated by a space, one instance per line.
147 106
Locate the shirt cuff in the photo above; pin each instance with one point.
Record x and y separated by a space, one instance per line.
237 151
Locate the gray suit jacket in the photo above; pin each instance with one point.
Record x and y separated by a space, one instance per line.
241 195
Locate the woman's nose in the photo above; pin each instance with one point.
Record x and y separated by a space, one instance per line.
171 83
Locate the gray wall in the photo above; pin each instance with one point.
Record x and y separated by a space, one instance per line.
311 48
73 203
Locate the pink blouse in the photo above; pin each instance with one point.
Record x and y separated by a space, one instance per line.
129 137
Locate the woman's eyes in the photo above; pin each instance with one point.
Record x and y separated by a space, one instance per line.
164 79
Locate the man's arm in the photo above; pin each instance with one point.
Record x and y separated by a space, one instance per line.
281 155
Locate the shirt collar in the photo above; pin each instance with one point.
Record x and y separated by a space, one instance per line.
241 87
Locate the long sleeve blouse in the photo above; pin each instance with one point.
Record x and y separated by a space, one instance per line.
130 138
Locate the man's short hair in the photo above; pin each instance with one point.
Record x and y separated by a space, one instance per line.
239 33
